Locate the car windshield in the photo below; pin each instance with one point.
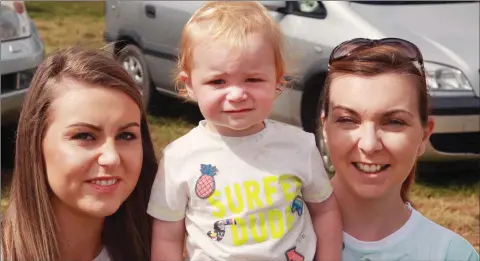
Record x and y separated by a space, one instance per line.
410 2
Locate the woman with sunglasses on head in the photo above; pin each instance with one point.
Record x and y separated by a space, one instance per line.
376 124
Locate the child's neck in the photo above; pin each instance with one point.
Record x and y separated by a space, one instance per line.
229 132
370 219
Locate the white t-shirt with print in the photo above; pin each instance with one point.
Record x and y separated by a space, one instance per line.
419 239
243 198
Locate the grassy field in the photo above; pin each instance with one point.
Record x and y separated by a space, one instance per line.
453 204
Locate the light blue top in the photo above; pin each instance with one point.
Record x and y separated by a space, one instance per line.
419 239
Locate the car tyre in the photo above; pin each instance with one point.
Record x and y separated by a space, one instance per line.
311 113
132 60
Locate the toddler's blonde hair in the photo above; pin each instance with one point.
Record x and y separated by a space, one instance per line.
231 22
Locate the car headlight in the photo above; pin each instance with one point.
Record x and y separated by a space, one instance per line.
445 78
14 21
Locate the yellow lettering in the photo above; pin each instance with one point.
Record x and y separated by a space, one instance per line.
231 200
276 223
269 190
252 190
286 182
239 228
263 229
290 217
214 200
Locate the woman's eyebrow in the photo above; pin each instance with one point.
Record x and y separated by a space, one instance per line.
98 128
387 113
84 124
345 108
395 111
131 124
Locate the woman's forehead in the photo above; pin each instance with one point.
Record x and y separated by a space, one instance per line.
375 93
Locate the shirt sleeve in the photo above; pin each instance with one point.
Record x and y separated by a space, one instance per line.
317 188
460 250
169 195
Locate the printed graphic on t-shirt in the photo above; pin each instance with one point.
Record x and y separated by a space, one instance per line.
297 205
293 255
273 203
206 182
219 228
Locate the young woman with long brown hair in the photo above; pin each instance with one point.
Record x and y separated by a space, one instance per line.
84 165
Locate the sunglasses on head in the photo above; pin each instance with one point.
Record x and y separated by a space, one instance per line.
349 47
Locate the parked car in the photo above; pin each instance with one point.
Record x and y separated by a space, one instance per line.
447 32
21 52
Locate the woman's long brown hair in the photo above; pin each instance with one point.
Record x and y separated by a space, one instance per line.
29 228
375 61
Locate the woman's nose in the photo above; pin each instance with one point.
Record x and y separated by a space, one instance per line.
369 141
109 155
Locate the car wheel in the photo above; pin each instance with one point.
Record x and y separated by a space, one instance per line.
311 112
132 60
322 146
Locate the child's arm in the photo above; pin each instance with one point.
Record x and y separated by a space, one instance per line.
324 210
167 206
168 240
327 223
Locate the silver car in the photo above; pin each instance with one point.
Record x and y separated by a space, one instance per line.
447 32
21 52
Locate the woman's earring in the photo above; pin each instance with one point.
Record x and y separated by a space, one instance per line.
278 91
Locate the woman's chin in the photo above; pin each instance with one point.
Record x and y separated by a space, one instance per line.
369 192
100 210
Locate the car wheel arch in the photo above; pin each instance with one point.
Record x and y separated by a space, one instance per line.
311 108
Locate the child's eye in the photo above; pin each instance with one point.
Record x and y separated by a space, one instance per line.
84 136
254 80
126 136
217 82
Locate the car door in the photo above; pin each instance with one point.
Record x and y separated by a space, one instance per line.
162 23
304 48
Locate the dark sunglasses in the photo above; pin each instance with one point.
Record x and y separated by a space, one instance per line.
358 44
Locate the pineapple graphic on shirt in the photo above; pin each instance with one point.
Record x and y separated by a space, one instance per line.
205 185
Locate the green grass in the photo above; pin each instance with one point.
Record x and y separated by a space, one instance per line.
453 205
68 23
54 9
166 130
4 201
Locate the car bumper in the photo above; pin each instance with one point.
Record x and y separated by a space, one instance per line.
11 103
456 135
20 59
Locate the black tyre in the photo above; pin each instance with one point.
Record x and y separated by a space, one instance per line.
311 112
132 60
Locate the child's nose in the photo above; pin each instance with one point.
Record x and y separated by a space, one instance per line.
236 94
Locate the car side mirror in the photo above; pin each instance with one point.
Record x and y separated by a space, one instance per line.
307 8
274 5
